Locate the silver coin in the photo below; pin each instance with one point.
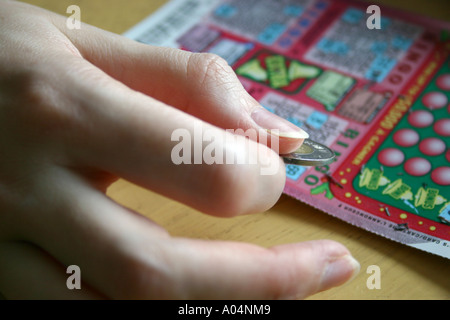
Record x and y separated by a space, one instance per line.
310 153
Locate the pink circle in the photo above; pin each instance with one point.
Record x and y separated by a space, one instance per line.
406 137
420 119
441 176
435 100
442 127
443 82
447 155
417 166
432 146
391 157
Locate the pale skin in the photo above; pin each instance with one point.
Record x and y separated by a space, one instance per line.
81 108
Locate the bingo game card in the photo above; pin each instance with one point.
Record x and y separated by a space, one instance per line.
379 98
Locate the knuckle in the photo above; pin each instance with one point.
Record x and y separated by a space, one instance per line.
37 96
214 63
209 69
31 100
39 108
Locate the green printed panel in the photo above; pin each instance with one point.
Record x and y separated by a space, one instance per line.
330 88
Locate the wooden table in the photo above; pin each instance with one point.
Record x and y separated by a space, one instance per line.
406 273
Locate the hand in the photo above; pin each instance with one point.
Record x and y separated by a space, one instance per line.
80 108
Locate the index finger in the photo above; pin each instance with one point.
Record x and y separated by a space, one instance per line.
203 85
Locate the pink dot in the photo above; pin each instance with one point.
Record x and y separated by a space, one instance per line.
435 100
406 137
447 155
391 157
420 118
442 127
441 176
432 146
417 166
443 82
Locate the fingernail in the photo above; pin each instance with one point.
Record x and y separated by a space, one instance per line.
271 121
339 271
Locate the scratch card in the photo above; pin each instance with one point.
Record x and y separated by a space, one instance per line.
378 96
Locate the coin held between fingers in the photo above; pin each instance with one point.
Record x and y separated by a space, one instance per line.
310 153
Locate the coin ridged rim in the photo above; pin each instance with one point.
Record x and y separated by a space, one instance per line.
310 153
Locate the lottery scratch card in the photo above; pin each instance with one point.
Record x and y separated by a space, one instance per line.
379 96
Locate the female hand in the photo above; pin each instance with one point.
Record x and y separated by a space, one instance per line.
80 108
